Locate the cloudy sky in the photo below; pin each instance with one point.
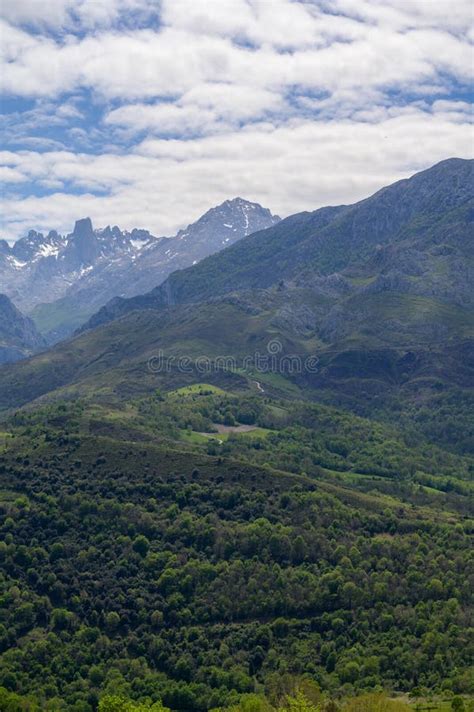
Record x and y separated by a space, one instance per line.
146 113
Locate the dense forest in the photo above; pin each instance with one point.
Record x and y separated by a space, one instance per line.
195 548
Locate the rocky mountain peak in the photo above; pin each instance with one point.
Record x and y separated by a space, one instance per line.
82 247
4 247
228 222
36 245
83 228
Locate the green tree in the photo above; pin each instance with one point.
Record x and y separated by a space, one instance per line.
115 703
141 545
299 703
112 620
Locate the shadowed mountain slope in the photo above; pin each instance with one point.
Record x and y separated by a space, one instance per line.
18 334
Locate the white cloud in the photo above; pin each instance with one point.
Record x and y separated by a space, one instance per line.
74 14
51 13
281 23
402 15
300 166
11 175
289 103
204 109
454 15
197 47
234 101
165 118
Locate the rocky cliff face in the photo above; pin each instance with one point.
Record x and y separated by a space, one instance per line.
18 334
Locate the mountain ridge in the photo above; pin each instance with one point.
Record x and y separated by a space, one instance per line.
326 240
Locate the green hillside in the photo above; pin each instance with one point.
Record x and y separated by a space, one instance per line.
140 561
385 366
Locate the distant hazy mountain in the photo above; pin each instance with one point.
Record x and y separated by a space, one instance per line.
62 280
18 334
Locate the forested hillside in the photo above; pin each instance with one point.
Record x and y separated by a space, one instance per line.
197 545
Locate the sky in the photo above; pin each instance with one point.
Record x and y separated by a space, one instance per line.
145 113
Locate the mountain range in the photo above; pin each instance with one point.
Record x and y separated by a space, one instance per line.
62 280
379 291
